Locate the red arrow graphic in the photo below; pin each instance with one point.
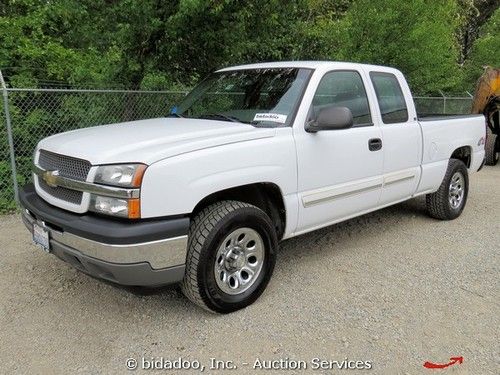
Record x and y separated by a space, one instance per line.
453 360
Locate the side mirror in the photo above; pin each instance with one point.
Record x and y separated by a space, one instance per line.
331 118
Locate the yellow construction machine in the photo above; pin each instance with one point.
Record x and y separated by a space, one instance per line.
487 102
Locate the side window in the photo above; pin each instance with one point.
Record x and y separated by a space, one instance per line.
391 100
343 89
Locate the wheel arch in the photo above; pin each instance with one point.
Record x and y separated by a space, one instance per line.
463 153
265 195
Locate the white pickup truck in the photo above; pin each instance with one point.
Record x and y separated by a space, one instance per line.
253 155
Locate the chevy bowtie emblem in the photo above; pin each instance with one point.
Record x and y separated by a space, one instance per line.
50 177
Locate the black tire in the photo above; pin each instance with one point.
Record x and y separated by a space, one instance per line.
491 148
207 232
438 203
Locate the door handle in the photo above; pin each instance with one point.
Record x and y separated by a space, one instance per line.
374 144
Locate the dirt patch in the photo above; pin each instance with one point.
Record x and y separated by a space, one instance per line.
393 287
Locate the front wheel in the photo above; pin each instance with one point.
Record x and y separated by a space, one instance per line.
448 202
231 256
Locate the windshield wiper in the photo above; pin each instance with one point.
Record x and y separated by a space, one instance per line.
221 116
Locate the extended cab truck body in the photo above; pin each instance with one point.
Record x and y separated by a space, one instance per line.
253 155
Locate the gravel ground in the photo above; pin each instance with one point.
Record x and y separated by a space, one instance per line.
393 287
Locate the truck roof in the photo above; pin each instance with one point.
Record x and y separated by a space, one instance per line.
302 64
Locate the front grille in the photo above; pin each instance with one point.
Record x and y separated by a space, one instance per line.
76 169
64 194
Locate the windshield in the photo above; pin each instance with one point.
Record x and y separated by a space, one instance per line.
262 97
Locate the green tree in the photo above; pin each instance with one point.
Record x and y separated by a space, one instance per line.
484 52
474 15
37 44
415 36
206 35
318 38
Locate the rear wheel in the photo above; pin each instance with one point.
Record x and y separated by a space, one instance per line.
231 256
492 149
448 202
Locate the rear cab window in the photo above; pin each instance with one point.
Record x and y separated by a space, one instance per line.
343 88
391 100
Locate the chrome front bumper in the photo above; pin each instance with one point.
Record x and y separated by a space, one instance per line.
144 252
169 252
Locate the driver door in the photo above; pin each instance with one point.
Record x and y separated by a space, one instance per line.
339 171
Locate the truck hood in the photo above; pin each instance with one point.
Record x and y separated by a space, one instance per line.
148 141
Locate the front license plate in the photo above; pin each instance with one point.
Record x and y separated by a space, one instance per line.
41 237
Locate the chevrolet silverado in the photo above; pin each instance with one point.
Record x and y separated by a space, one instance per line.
254 155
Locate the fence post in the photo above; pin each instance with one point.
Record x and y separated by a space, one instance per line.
10 138
444 101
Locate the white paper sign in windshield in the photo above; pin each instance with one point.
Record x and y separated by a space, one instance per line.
272 117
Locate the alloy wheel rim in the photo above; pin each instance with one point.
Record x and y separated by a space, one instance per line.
239 261
456 190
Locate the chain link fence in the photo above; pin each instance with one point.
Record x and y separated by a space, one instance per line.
34 114
443 105
29 115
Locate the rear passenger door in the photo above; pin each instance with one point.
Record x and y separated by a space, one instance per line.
401 134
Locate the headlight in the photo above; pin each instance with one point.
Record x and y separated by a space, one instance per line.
127 208
123 175
118 175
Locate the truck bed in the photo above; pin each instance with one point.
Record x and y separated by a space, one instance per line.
444 134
